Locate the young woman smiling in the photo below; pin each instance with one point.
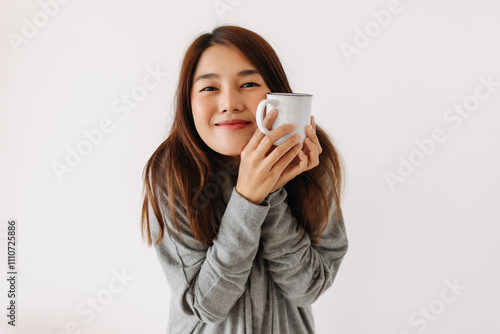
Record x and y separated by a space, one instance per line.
248 234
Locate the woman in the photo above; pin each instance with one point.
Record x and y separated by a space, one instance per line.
248 234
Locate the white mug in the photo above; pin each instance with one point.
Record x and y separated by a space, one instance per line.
292 107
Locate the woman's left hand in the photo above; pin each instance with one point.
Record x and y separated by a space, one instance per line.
308 156
312 147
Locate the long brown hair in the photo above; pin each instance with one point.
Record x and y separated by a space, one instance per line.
193 167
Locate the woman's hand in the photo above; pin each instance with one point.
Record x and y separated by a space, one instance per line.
309 157
312 146
262 164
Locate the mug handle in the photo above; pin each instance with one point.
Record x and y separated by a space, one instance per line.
260 113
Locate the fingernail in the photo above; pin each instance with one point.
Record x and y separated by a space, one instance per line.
292 125
272 112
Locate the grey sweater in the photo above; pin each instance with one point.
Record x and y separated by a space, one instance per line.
260 275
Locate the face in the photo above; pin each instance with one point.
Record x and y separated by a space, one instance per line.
226 91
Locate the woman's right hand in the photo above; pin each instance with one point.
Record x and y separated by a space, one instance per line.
262 164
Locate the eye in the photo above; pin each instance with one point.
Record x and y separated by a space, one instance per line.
250 84
208 89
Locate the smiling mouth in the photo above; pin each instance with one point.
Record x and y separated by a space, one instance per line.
233 125
228 123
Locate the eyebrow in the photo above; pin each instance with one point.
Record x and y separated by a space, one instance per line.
243 73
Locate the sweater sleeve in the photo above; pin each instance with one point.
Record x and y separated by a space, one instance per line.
206 281
301 271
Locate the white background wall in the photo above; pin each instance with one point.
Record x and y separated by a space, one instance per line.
437 226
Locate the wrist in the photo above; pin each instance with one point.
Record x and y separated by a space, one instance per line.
255 201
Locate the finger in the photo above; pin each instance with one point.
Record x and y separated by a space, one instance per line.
258 135
280 150
312 155
294 169
270 118
303 162
274 135
311 134
282 164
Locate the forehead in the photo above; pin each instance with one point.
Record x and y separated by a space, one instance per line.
221 59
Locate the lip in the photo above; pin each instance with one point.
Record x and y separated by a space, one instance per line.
232 122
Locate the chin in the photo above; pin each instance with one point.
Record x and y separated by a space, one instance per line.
236 152
233 154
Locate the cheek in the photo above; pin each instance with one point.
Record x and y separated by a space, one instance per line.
201 114
254 103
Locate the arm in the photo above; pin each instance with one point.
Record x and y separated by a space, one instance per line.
207 281
301 271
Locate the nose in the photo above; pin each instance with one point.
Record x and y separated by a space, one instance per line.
230 100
